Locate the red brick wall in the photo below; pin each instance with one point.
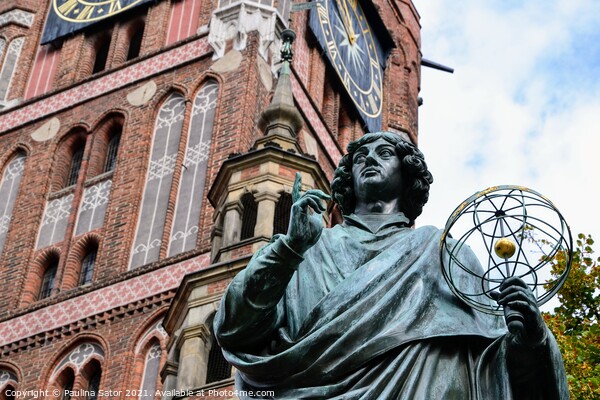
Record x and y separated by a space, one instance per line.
241 99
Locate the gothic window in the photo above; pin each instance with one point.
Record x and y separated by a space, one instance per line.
9 65
151 371
151 222
54 222
113 149
250 209
135 42
8 384
48 278
183 22
75 166
87 267
101 56
59 205
65 383
191 187
103 159
9 187
91 375
81 368
282 213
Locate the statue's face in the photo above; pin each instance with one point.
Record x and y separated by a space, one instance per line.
376 171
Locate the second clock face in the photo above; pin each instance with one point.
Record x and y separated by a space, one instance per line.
90 10
352 50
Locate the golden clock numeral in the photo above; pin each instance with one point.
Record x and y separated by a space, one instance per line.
323 14
373 102
332 49
346 80
68 6
115 6
352 4
377 89
85 13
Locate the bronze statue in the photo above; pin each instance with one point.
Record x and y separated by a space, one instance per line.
361 310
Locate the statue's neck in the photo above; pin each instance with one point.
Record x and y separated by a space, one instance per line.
377 207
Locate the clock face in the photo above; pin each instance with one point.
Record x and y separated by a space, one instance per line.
353 51
90 10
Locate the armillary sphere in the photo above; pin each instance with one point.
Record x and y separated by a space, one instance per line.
514 231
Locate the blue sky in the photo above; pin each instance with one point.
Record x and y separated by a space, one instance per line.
523 106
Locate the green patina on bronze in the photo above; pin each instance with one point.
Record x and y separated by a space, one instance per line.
361 310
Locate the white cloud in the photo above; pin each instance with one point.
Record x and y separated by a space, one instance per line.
523 106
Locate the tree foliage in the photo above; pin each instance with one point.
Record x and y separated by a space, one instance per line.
575 321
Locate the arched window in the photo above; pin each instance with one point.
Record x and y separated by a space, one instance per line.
91 374
135 42
48 278
79 370
8 384
163 158
113 148
191 187
9 66
281 219
87 267
65 382
75 166
151 371
101 57
250 209
9 187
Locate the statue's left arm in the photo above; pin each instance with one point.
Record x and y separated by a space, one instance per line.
534 363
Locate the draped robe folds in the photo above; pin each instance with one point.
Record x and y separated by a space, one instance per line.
368 315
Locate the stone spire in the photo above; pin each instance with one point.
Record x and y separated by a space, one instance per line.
281 119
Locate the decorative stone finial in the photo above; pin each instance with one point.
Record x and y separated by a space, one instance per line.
281 117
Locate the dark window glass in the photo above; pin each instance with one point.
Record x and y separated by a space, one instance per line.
87 268
248 216
48 280
6 395
218 368
94 385
151 372
112 150
282 213
67 390
75 166
101 56
135 45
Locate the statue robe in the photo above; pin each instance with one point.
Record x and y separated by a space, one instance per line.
368 315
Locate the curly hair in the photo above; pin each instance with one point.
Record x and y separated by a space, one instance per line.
416 178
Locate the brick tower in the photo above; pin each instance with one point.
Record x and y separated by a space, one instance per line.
147 149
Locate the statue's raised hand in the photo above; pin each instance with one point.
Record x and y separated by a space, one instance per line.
306 223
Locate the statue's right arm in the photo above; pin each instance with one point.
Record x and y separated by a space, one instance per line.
251 308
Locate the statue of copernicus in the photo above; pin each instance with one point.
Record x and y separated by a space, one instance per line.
362 311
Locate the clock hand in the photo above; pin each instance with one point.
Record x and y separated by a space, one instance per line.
346 21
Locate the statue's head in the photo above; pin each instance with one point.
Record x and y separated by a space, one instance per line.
415 177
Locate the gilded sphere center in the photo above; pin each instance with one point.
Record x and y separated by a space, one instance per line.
505 248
